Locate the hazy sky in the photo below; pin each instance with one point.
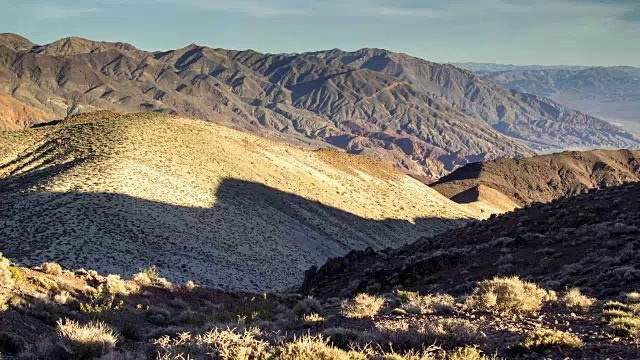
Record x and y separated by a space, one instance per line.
588 32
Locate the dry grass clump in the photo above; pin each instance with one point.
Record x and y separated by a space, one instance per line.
51 268
626 326
414 303
506 297
468 353
316 348
451 332
87 341
62 297
313 319
575 301
223 344
542 339
362 306
454 332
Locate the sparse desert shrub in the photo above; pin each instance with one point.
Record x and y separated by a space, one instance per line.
614 313
506 296
362 306
190 285
6 276
632 297
454 332
89 340
575 301
61 298
313 319
625 326
616 305
223 344
92 273
52 268
15 274
307 306
316 348
542 339
141 278
150 276
414 303
344 337
45 283
115 285
468 353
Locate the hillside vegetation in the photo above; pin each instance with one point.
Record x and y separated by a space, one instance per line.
200 201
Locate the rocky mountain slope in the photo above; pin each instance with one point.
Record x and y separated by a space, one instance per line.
426 118
588 241
504 184
538 121
200 201
610 93
17 115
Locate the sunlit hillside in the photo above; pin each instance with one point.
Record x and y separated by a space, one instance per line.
203 202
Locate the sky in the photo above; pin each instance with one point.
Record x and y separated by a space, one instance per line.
543 32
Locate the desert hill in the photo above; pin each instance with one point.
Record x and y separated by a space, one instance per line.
426 118
200 201
587 241
504 184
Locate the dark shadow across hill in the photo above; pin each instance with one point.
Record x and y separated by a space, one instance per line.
254 237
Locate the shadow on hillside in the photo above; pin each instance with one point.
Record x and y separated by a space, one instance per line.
254 237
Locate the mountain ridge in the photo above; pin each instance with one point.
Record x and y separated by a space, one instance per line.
307 98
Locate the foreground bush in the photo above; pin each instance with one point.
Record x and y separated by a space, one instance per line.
362 306
87 341
542 339
576 302
506 296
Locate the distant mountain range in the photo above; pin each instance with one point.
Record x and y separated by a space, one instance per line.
611 93
427 118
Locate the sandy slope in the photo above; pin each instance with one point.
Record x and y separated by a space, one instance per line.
200 201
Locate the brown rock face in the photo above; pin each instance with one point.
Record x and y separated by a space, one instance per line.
17 116
541 178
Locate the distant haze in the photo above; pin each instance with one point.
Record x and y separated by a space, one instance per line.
587 32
